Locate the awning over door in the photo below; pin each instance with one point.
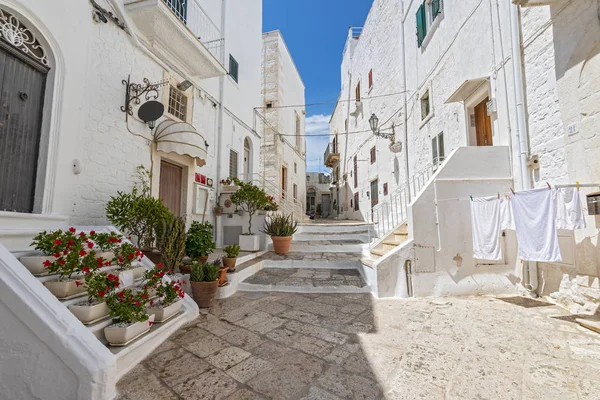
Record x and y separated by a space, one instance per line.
181 138
465 90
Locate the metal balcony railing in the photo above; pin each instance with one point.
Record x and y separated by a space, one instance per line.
191 13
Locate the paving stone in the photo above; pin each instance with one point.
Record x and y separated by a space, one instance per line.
273 308
315 393
141 384
213 384
348 386
176 366
253 319
217 327
318 332
301 316
228 357
245 394
207 345
189 335
249 368
271 351
307 277
312 345
340 353
243 338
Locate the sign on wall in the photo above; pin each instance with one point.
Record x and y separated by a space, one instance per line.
200 199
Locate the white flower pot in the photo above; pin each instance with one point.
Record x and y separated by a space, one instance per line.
107 255
63 290
120 336
249 242
87 314
162 314
229 188
35 264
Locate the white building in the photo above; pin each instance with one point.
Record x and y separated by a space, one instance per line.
318 193
440 77
67 144
282 117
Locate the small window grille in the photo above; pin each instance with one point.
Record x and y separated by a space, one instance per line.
177 103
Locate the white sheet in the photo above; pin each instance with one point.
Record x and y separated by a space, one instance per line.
535 223
507 218
485 224
569 209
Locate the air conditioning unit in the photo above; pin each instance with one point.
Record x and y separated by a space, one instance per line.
226 203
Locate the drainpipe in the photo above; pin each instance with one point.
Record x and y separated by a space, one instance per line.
404 100
218 229
530 270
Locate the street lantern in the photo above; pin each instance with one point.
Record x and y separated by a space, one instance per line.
374 122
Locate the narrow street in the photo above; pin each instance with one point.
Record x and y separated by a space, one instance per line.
351 346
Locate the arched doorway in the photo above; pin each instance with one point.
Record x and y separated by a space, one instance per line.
247 160
24 68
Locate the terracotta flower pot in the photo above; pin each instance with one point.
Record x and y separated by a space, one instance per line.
63 290
154 255
162 314
223 276
86 313
185 269
205 293
281 244
230 263
35 264
119 336
203 259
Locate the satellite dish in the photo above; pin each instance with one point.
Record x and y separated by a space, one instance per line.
151 111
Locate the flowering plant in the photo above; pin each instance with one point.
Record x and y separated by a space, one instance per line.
229 181
250 198
271 205
126 254
105 241
169 292
100 285
128 306
153 276
52 243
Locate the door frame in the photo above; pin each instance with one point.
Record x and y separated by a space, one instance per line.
184 183
470 120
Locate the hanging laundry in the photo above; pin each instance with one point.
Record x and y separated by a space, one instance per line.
507 218
485 224
535 223
569 209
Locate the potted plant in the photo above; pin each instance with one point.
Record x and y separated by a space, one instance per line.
127 258
222 272
137 214
52 245
105 242
171 240
271 206
130 320
230 185
170 293
218 210
204 279
249 198
98 285
199 241
281 228
152 278
232 252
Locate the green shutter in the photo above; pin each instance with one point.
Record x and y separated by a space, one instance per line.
421 25
233 68
435 8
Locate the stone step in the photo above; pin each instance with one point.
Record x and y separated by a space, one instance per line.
306 280
303 237
359 228
331 246
589 324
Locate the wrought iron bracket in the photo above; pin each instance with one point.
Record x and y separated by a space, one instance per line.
134 91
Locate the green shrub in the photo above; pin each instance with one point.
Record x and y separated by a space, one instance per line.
204 272
171 241
249 198
199 241
280 225
232 251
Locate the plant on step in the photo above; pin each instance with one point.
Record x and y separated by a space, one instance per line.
73 261
170 292
57 242
153 277
232 251
126 254
271 205
105 241
204 272
229 181
171 241
137 213
128 306
249 198
280 225
199 240
100 284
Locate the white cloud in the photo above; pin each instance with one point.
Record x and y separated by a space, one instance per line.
315 146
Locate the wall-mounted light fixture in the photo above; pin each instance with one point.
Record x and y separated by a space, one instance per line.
374 122
185 85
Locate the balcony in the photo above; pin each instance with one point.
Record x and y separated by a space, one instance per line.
331 156
181 34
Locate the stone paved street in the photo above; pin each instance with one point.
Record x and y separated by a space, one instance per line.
336 346
307 277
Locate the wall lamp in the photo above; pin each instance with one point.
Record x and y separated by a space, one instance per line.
185 85
374 122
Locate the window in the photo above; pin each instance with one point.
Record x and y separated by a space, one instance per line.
233 68
425 105
177 103
298 134
295 168
356 201
370 79
355 172
295 191
437 150
233 164
307 178
373 155
385 189
358 92
374 193
269 105
426 15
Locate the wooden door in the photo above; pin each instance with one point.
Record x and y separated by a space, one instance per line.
374 193
284 180
247 176
171 177
483 124
22 90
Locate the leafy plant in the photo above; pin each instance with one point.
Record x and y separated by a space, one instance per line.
128 306
232 251
169 292
199 240
280 225
126 254
99 285
153 277
271 205
249 198
171 240
204 272
136 214
56 242
106 241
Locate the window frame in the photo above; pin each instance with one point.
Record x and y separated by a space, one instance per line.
428 15
438 152
355 172
357 91
356 201
236 158
373 154
385 189
236 67
370 79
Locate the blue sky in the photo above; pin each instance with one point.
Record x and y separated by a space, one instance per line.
315 32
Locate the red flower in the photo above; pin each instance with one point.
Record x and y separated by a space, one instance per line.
90 245
56 255
119 240
47 263
101 293
78 283
72 230
121 259
92 233
144 296
184 282
85 270
70 243
162 273
65 252
57 241
121 294
82 253
82 234
137 303
150 323
62 262
131 256
151 302
128 237
112 277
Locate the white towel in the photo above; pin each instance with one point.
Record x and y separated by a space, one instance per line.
569 210
535 223
485 224
507 218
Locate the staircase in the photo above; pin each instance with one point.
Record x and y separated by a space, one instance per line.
286 202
